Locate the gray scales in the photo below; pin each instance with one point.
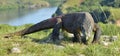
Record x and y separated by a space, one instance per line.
81 24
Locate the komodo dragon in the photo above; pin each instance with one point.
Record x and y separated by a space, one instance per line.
81 24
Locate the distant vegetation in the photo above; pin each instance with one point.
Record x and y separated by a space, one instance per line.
54 2
100 9
10 4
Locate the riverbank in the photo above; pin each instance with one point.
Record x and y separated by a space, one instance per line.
13 4
17 17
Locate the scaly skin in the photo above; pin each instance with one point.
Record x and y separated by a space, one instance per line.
46 24
80 24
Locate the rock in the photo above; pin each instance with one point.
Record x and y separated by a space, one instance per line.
105 38
105 43
15 50
109 38
113 38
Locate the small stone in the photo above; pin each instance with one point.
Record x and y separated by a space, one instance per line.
105 43
106 37
109 38
15 50
113 38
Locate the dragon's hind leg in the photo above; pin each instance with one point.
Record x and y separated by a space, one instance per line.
97 33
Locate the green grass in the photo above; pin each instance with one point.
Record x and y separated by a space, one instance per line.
69 4
109 29
32 45
74 6
115 13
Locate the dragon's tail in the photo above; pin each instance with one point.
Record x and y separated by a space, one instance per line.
46 24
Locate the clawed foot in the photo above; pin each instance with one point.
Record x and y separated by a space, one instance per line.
76 40
79 41
50 40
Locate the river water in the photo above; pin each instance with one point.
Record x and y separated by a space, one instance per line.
18 17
